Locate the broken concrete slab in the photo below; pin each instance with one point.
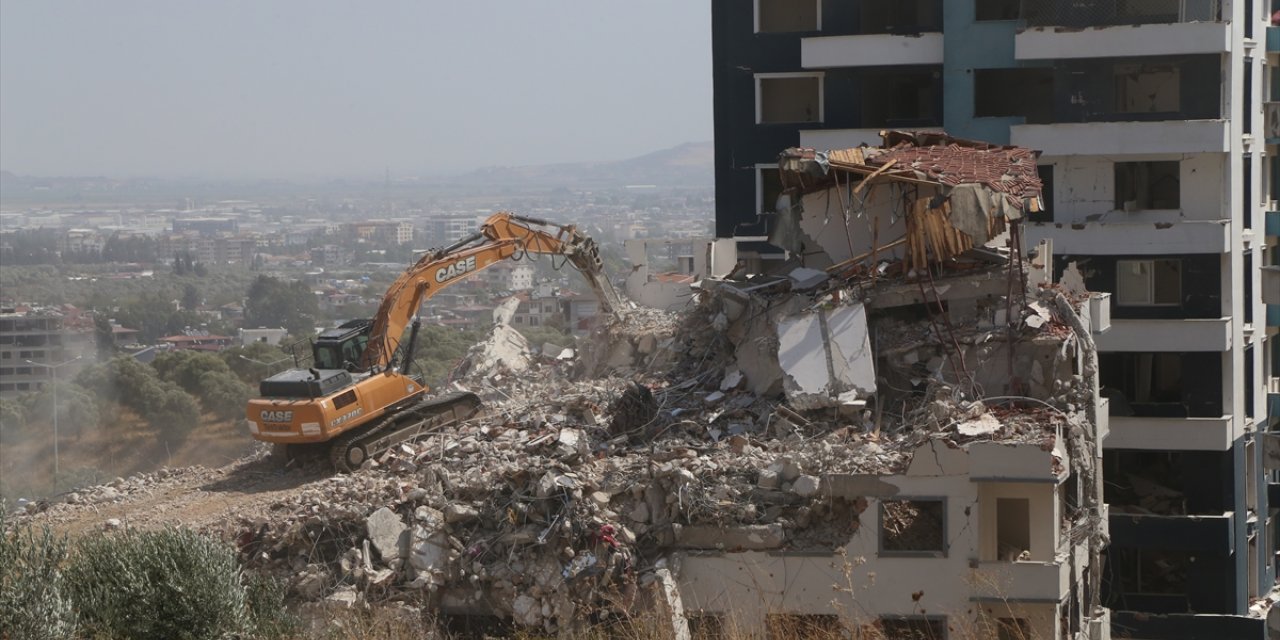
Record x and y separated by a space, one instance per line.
386 532
825 354
803 278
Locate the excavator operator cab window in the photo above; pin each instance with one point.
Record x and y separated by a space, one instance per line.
341 355
328 356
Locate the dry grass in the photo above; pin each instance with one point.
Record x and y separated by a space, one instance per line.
121 447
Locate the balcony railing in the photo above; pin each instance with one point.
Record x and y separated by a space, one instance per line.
1186 533
1108 13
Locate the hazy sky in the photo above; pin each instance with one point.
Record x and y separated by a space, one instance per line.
316 88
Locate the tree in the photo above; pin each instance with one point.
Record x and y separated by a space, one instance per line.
274 303
149 313
190 297
223 394
104 337
76 406
438 351
13 417
165 406
186 367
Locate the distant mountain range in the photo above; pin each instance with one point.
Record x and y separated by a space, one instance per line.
686 165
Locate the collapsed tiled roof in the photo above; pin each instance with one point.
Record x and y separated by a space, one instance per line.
923 156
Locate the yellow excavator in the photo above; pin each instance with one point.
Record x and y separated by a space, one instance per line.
358 398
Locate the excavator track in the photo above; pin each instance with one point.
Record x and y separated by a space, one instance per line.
351 450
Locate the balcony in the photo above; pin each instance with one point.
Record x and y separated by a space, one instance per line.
1124 138
1214 533
870 50
1183 434
1213 334
1133 238
996 462
1046 43
827 139
1187 626
1079 14
1021 581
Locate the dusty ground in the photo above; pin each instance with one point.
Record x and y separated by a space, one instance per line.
124 446
213 474
196 497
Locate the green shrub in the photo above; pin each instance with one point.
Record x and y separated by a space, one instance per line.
188 367
161 584
33 601
223 394
264 597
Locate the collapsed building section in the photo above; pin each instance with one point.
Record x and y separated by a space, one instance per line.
895 428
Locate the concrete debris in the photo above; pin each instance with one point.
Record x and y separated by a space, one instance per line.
984 425
803 279
386 532
765 417
825 354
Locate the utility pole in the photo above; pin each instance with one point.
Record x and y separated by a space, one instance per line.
53 369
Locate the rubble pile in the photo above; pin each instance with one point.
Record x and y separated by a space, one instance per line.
559 502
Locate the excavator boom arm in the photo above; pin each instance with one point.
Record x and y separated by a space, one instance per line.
502 236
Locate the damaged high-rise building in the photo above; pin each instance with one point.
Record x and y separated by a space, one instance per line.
1157 137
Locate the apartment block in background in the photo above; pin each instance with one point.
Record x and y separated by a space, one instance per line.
1158 138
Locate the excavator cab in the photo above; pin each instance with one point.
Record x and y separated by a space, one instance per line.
341 348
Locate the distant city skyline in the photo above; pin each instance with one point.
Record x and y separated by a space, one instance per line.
319 89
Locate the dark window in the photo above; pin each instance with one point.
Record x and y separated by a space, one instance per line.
913 527
1148 282
901 16
914 628
1150 571
1147 185
1162 384
1248 287
1248 377
1246 190
1147 87
901 98
770 188
1013 528
996 9
1005 93
1246 105
790 99
786 16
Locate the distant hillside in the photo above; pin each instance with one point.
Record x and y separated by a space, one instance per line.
686 165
